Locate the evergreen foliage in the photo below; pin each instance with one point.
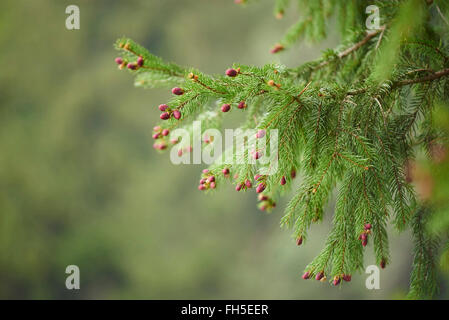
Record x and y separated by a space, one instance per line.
349 124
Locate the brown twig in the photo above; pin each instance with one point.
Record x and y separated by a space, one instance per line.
400 83
355 47
431 77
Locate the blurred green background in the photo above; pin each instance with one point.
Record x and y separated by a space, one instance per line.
81 184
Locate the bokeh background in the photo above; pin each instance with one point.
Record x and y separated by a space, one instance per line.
81 184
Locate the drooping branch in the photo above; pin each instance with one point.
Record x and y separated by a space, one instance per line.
324 116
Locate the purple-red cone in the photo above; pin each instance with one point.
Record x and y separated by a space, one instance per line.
163 107
241 105
260 134
336 281
119 60
293 173
159 146
165 132
299 241
257 155
177 91
278 47
260 188
365 242
248 183
140 61
347 277
231 72
364 239
164 116
319 275
177 114
306 275
226 107
283 181
131 66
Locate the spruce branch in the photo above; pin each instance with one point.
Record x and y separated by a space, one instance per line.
423 283
349 124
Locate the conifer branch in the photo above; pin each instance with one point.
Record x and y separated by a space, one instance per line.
342 129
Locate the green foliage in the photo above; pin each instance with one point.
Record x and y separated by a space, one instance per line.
423 283
348 123
402 28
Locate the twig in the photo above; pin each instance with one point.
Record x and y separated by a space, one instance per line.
396 84
437 50
431 77
382 112
380 38
442 16
355 47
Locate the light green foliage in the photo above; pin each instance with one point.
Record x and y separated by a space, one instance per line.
403 28
348 124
